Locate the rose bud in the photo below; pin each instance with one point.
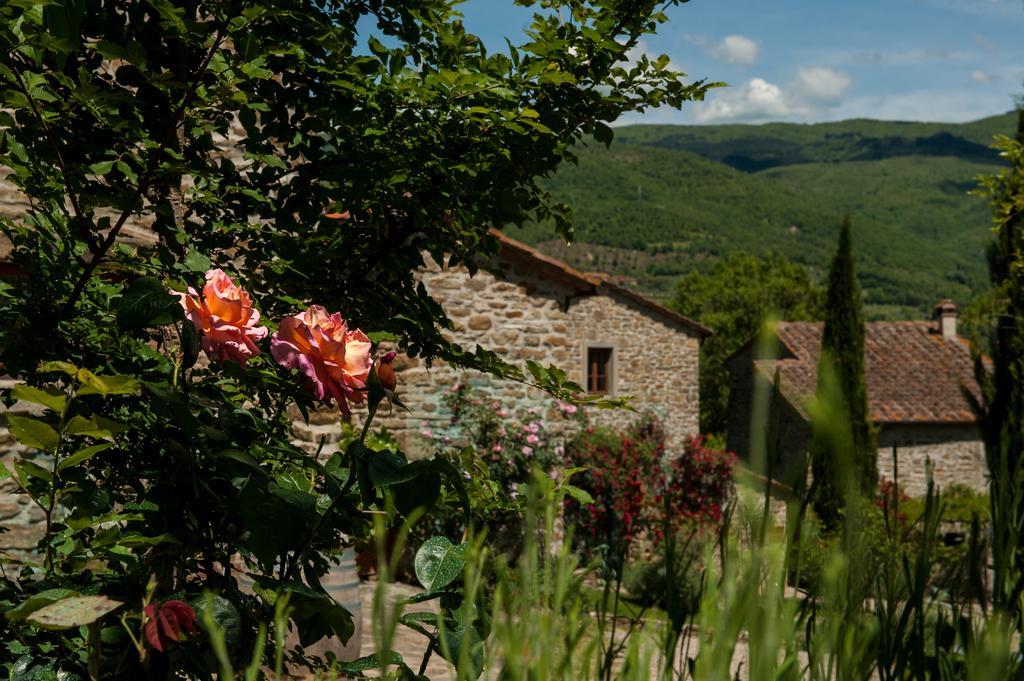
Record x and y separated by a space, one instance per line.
386 373
168 623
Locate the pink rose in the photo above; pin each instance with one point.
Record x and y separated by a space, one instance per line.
225 318
532 439
528 451
336 361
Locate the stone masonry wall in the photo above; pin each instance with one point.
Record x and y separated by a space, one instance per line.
522 315
653 361
956 452
20 519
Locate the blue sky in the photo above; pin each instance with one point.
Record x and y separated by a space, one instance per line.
820 60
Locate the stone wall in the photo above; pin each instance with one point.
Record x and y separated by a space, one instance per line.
956 451
654 361
524 314
21 520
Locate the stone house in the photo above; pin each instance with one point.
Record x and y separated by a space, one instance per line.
918 376
525 305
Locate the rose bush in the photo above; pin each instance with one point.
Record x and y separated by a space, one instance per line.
642 490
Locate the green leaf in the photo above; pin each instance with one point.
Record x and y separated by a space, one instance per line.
65 367
422 491
603 133
101 168
465 646
75 611
143 301
83 455
28 469
108 385
372 661
94 426
49 397
189 345
32 432
387 468
196 262
580 495
439 562
37 601
224 615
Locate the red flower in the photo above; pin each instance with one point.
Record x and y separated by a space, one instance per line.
167 623
386 372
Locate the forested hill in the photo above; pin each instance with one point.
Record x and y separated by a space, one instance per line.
667 198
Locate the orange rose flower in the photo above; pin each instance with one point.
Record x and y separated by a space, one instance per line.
225 317
335 360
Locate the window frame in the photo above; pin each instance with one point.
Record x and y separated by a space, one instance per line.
609 368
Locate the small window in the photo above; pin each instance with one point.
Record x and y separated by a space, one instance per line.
599 370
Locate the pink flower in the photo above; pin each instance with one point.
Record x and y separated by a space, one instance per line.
528 451
532 439
559 450
335 360
225 318
496 448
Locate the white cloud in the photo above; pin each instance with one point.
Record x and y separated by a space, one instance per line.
757 99
927 105
736 49
822 83
979 76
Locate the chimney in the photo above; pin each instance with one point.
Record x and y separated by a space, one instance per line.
945 313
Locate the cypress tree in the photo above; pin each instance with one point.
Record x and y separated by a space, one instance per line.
848 438
1003 388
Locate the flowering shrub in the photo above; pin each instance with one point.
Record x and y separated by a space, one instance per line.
622 472
638 487
699 483
511 444
496 449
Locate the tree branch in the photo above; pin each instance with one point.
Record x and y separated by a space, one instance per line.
83 224
144 181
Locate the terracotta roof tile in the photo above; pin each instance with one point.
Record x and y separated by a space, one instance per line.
913 374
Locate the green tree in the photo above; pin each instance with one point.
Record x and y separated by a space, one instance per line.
1002 409
733 299
845 444
315 150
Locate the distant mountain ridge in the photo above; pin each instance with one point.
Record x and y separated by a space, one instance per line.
666 198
